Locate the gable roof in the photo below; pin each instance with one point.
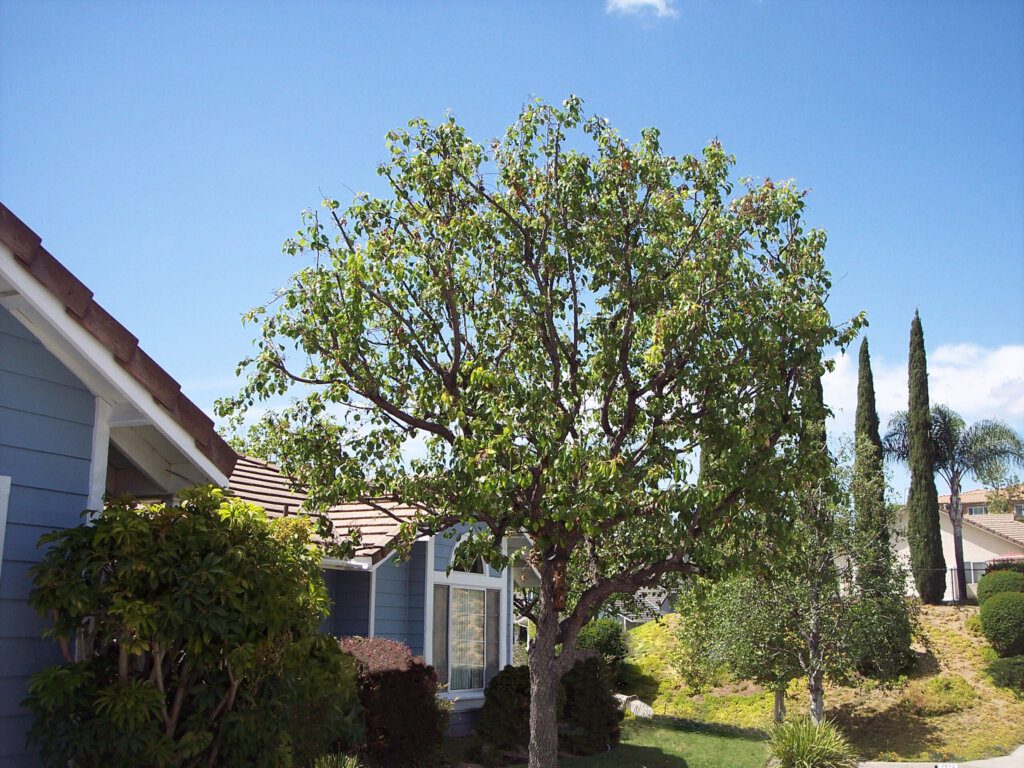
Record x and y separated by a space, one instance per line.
1003 526
80 306
377 520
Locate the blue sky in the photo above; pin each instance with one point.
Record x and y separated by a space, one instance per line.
165 150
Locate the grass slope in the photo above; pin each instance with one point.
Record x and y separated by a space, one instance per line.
883 723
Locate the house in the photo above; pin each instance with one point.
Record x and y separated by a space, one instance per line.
83 410
458 619
648 604
986 536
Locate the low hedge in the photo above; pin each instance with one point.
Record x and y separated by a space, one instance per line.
1002 621
1016 564
405 721
996 582
1008 673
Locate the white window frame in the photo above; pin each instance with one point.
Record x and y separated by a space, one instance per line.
5 495
463 580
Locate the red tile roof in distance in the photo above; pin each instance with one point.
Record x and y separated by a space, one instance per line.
78 301
378 520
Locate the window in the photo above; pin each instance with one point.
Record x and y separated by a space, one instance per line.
974 571
1018 510
977 509
466 636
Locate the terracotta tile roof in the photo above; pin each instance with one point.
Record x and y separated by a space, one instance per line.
1003 526
78 301
977 496
377 520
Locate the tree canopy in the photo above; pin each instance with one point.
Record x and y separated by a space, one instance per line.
541 335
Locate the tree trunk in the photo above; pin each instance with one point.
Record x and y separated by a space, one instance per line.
956 519
779 707
545 678
816 691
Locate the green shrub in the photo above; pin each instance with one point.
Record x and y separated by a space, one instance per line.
1002 620
1007 673
940 695
505 716
801 744
588 714
1016 564
405 721
999 581
207 603
606 637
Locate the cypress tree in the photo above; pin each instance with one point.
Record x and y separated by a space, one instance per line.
926 560
869 496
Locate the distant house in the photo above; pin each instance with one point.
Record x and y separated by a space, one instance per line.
648 604
986 536
83 410
459 621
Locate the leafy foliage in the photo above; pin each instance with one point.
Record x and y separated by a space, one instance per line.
561 319
994 582
505 716
799 743
940 695
605 636
870 512
1008 672
197 641
336 761
806 615
926 560
1002 621
405 720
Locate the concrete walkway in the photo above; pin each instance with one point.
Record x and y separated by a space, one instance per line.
1016 760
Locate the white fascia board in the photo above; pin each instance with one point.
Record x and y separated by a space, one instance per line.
74 346
358 564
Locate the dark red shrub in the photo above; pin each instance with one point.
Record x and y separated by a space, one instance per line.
405 722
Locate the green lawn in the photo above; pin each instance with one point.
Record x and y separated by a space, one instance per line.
664 743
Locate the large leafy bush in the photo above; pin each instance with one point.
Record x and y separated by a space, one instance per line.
802 744
995 582
405 720
195 640
1002 621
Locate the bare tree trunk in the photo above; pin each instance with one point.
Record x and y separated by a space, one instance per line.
779 707
816 691
956 519
544 681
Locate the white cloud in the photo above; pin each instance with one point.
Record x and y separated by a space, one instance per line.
977 382
659 8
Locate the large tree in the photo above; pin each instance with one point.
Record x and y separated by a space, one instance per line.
871 514
926 560
535 336
986 449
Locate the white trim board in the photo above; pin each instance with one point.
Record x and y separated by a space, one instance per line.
86 357
5 495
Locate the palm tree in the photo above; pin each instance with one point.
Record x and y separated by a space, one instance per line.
979 450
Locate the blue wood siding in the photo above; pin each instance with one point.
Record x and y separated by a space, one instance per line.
46 420
400 599
350 603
